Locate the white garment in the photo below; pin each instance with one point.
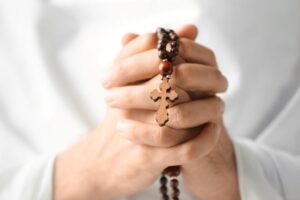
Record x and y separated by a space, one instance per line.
53 54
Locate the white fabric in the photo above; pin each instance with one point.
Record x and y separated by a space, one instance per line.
53 54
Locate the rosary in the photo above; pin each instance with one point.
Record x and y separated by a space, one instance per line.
168 49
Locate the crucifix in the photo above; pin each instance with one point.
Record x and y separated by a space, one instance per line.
166 94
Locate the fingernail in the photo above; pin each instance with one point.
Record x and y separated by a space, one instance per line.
109 96
121 126
105 80
217 127
222 107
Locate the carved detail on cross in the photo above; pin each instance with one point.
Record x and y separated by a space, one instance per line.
166 94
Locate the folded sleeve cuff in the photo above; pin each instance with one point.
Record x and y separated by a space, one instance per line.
257 172
28 181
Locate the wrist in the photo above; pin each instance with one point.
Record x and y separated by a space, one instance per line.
215 176
75 178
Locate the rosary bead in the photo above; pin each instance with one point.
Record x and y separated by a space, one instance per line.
175 52
160 47
160 30
163 55
174 37
173 171
174 183
175 192
163 180
165 68
175 44
162 41
171 33
171 57
163 189
165 197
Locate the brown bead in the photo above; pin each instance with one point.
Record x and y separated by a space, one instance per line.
175 193
175 52
163 180
165 68
163 189
172 171
165 197
160 30
174 183
162 54
167 44
175 44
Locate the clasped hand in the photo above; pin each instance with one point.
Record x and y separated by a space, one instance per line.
128 151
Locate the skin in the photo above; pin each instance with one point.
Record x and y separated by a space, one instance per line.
127 152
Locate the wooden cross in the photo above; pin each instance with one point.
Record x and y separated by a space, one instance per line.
166 94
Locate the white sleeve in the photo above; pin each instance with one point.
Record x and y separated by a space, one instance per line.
266 173
29 181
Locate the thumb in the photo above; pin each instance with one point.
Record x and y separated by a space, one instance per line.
189 31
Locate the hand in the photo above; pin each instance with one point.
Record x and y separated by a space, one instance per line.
214 176
106 165
196 80
196 76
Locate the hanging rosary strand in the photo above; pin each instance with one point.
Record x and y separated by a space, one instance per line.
168 49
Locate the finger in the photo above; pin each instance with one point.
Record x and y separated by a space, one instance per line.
129 70
139 96
193 52
189 151
139 44
128 37
195 113
185 115
198 80
149 41
189 31
197 77
124 71
147 134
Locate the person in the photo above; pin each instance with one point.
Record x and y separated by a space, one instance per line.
58 143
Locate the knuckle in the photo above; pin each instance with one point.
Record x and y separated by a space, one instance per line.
129 134
122 67
129 97
177 115
125 114
183 47
133 134
148 39
142 153
224 84
218 106
217 74
221 80
211 54
189 154
162 138
184 71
